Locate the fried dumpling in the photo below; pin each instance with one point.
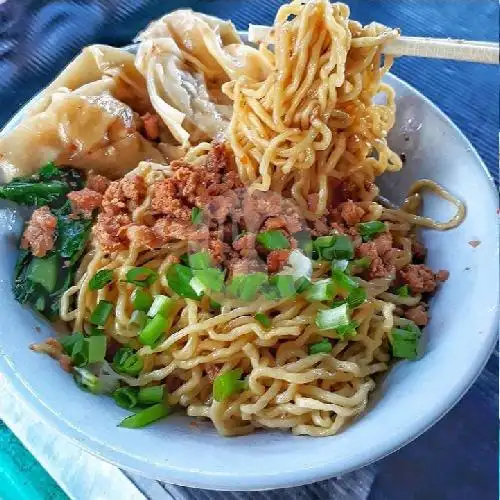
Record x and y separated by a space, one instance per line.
185 58
87 117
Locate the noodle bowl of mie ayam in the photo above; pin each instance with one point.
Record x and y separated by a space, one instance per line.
213 241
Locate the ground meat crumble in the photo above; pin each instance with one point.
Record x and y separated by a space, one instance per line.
39 233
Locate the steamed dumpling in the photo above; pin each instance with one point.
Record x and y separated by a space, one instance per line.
87 118
185 57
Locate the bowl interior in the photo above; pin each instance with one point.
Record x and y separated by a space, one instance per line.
412 397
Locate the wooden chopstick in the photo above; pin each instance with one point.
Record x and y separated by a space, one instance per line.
436 48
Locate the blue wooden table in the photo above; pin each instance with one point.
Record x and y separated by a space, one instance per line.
458 458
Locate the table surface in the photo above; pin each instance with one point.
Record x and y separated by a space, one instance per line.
457 458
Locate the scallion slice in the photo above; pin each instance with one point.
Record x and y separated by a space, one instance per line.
330 319
179 277
151 395
358 265
161 305
403 291
227 384
342 280
68 342
284 284
141 276
302 284
196 216
345 331
245 287
340 265
95 348
141 300
273 240
320 290
138 319
263 319
87 381
146 416
127 361
356 297
101 313
368 230
101 279
199 260
126 397
337 246
323 346
152 333
405 341
210 278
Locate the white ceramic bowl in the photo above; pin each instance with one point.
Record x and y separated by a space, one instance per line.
412 397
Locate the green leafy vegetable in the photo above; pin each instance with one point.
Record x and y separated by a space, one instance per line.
273 240
101 279
368 230
227 384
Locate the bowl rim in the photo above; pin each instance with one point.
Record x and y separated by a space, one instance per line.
285 478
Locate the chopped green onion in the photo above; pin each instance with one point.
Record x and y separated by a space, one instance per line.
345 331
101 279
127 361
146 416
95 348
95 330
87 381
210 278
263 319
228 383
141 300
161 305
342 248
199 260
405 341
214 304
44 271
270 292
151 395
285 285
344 281
154 330
302 284
330 319
298 265
323 346
359 264
101 313
356 297
126 397
337 246
68 342
179 277
138 319
141 276
320 290
340 265
245 287
273 240
403 291
368 230
196 215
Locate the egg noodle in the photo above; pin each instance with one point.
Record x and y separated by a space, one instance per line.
309 126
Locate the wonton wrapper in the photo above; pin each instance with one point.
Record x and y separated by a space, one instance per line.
185 58
84 118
